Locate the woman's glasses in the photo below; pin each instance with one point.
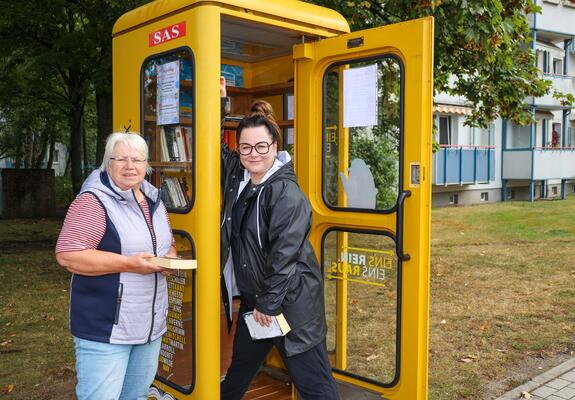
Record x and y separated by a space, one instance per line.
125 161
261 148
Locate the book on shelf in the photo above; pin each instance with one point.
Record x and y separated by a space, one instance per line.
181 144
164 155
234 117
188 139
175 191
278 327
176 143
167 133
174 263
186 102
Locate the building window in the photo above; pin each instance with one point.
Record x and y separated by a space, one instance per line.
556 135
444 129
557 66
454 199
554 190
510 194
573 188
56 158
484 196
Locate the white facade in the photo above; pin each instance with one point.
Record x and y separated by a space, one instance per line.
58 164
531 162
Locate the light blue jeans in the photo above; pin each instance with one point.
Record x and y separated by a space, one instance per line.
115 371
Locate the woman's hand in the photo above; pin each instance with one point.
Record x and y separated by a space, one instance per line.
139 263
262 319
172 253
223 92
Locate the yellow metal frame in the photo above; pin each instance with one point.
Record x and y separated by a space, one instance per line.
410 41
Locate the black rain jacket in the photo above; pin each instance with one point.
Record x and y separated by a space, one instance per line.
286 277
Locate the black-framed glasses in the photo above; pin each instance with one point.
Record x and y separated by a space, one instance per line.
261 148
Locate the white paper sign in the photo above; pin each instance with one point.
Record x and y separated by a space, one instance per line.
360 96
168 93
290 107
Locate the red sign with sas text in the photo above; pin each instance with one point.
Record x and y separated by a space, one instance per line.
166 34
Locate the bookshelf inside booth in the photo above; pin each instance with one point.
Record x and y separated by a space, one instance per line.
168 108
241 99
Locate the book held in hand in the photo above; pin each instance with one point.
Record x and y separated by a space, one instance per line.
278 327
174 263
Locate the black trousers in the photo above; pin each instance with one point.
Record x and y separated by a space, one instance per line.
310 371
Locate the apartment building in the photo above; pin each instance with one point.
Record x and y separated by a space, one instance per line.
505 161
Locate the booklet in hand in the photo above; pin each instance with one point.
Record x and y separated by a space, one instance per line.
174 263
278 327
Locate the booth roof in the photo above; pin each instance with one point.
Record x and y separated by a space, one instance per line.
298 12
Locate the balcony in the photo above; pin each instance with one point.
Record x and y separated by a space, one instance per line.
539 163
561 83
555 21
463 165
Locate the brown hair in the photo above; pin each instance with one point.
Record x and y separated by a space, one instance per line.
261 114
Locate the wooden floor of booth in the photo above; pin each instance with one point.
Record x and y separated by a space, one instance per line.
266 387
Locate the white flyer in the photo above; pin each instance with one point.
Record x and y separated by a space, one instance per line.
360 96
168 93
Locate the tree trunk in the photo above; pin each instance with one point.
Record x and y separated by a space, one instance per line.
52 149
40 147
75 122
104 120
77 100
85 160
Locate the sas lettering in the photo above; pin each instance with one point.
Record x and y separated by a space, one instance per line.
166 34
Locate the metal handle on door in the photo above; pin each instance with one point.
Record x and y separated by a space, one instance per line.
399 226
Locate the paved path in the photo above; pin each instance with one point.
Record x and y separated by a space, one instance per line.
555 384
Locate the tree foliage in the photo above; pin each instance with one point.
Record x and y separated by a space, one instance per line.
55 55
482 50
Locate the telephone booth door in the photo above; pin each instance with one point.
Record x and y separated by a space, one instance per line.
363 105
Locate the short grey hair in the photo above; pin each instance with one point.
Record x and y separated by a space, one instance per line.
130 139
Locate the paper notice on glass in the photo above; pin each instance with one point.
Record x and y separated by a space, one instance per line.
290 107
278 327
290 136
168 93
360 96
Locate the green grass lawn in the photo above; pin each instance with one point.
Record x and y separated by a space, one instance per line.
502 295
502 301
36 356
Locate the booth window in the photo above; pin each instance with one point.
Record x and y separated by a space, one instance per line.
168 110
177 365
362 133
362 302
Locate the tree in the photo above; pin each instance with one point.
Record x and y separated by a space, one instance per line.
482 50
61 50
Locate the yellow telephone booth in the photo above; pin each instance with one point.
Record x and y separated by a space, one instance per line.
355 110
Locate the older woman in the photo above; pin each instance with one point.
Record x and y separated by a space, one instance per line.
118 299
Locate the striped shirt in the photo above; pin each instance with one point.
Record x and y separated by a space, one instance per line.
85 224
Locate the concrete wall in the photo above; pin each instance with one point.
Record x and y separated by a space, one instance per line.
465 197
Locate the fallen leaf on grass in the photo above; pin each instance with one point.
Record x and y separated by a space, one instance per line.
372 357
8 388
484 327
525 395
468 358
6 343
443 322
